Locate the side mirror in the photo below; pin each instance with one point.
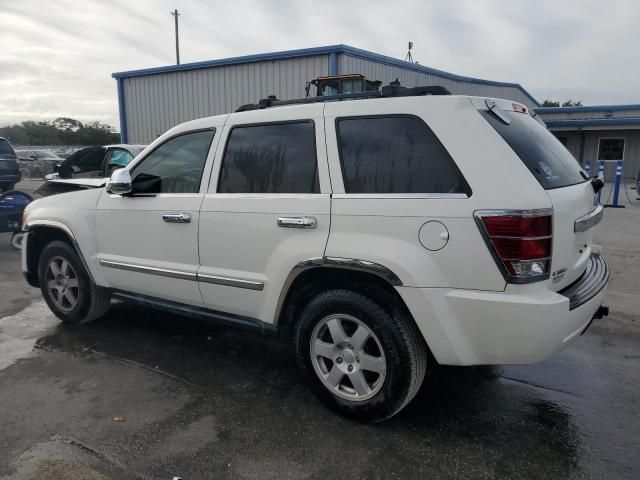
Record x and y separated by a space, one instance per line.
120 182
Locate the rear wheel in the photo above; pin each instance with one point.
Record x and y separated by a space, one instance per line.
16 240
67 287
361 360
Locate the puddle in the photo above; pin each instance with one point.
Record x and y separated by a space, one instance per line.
20 331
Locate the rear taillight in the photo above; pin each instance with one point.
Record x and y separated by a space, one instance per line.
520 242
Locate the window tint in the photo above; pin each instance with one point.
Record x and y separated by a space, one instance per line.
395 154
87 160
542 153
276 158
175 166
6 148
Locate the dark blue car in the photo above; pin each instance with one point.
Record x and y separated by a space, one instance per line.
9 171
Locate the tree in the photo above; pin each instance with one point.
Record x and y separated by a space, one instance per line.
567 103
61 131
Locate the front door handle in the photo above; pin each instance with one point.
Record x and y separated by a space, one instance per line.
177 217
297 222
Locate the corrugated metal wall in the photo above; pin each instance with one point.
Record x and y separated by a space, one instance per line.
155 103
412 78
591 142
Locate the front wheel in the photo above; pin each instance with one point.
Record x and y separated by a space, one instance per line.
67 287
361 360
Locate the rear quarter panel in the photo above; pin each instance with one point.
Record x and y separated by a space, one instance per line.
384 228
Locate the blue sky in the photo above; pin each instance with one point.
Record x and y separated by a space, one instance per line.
57 57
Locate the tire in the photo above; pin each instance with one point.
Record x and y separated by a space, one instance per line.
392 361
91 301
16 240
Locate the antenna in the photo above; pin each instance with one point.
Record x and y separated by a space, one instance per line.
409 58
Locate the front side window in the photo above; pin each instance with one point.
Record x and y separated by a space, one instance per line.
117 158
395 154
176 166
272 158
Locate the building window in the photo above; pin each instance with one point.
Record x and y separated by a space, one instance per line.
270 158
563 139
611 149
395 154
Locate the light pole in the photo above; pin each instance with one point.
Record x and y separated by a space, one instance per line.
176 15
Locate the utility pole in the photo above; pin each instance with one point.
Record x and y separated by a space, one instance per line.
176 15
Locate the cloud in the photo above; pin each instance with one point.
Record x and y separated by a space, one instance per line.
57 57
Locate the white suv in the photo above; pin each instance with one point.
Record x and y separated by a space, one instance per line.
379 234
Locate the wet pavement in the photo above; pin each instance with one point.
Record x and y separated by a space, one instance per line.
144 394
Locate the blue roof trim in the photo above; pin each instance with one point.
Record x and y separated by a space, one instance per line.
589 108
593 122
365 54
327 50
260 57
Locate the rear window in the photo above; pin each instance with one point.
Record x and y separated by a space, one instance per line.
6 148
542 153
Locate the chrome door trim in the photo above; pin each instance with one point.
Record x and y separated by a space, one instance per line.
404 196
230 282
161 272
589 220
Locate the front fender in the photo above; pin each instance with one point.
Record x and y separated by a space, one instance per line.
74 214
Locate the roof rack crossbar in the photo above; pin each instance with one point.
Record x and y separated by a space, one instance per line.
387 91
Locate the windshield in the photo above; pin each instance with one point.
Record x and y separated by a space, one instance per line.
45 154
543 154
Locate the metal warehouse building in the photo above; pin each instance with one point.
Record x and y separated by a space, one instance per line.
591 133
155 99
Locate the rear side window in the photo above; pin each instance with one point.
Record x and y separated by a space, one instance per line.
271 158
6 148
542 153
395 154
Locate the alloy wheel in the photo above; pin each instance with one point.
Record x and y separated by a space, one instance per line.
348 357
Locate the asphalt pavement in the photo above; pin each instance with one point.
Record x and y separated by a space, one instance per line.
145 394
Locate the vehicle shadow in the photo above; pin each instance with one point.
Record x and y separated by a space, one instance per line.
467 417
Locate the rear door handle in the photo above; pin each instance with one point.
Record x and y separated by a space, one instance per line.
297 222
177 217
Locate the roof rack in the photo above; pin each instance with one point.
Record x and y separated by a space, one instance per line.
392 90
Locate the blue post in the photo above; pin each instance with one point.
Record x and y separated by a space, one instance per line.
587 167
600 173
616 188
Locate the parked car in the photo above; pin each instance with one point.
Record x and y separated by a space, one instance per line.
97 162
379 235
37 163
38 156
9 171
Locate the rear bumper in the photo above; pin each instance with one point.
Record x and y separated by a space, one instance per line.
524 324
